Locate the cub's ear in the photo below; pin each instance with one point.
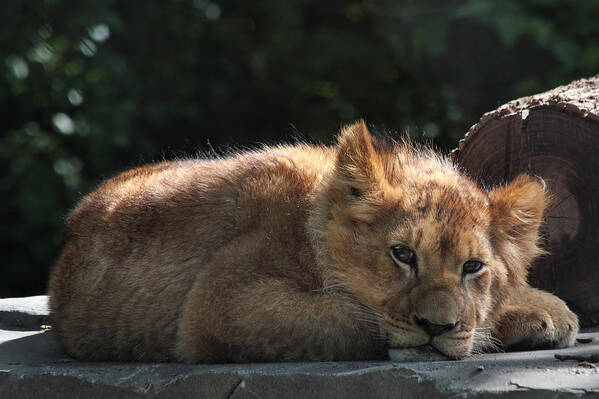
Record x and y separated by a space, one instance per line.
517 212
359 167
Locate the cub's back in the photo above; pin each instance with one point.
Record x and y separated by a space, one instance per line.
136 244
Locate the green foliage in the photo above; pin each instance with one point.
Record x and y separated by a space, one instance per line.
90 88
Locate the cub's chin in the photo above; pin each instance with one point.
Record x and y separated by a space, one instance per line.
454 347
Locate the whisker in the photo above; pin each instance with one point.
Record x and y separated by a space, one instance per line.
484 341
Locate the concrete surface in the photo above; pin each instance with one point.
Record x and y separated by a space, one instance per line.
32 365
24 313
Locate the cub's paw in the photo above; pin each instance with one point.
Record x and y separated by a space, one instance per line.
541 321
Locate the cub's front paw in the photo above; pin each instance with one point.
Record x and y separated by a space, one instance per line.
539 321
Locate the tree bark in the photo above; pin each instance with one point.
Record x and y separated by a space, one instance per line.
554 135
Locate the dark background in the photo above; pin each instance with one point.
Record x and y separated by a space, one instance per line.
88 88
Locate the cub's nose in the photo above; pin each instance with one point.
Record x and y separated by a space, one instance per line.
433 329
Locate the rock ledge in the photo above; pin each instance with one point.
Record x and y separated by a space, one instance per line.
33 365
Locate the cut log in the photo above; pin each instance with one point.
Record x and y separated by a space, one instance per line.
554 135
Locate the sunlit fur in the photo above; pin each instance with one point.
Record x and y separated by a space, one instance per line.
284 254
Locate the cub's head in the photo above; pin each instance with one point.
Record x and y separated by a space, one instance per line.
418 245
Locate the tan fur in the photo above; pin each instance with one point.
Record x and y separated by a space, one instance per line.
284 254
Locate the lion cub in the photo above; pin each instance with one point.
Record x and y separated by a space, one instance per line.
303 253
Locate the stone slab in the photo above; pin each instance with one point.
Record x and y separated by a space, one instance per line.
27 313
33 365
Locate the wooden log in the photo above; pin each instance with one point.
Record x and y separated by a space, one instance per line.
554 135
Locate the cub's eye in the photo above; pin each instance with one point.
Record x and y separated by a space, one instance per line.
472 266
403 254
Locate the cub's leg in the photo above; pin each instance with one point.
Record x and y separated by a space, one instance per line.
534 319
271 319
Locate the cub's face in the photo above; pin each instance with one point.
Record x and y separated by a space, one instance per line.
427 272
423 250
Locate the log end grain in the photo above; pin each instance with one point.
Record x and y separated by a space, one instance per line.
553 135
